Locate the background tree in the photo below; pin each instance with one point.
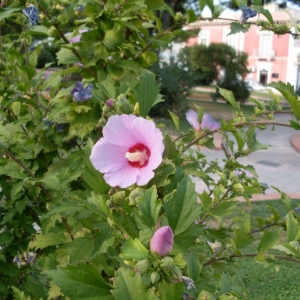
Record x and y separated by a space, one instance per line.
174 88
218 63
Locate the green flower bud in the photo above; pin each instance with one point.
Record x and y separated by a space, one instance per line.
268 221
142 266
154 277
123 106
238 189
175 275
118 198
178 17
135 196
167 263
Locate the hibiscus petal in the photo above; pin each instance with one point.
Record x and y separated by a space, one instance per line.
123 178
192 118
153 138
118 131
155 159
106 157
209 123
145 176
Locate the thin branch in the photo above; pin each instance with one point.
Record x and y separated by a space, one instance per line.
214 207
194 141
261 228
46 192
19 162
262 284
242 123
250 23
213 260
246 123
156 38
23 128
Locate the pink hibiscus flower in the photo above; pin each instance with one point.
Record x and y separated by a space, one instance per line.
131 148
207 122
162 241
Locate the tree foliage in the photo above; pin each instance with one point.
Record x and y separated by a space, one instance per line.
217 63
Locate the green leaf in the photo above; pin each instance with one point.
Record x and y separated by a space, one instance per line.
19 295
129 286
225 284
287 90
7 12
175 119
170 291
79 250
150 207
43 241
191 16
134 249
288 249
268 240
182 208
82 282
113 38
125 222
108 87
241 237
236 28
264 12
224 208
185 239
194 266
94 179
66 56
210 4
146 92
228 95
162 174
104 239
39 30
292 226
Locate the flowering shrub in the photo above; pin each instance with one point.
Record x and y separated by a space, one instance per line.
97 202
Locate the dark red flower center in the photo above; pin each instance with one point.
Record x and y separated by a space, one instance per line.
138 155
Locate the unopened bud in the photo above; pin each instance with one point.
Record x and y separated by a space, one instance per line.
238 189
175 275
166 263
118 198
162 241
154 277
123 106
143 266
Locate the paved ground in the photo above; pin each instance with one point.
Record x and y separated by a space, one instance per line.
278 166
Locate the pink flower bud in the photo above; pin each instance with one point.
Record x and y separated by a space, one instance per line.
110 103
162 241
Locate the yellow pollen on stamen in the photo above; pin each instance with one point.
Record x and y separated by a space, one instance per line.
137 156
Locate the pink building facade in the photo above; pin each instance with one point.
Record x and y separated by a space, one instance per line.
271 57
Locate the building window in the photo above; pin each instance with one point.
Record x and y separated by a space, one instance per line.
203 37
265 45
232 40
236 41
